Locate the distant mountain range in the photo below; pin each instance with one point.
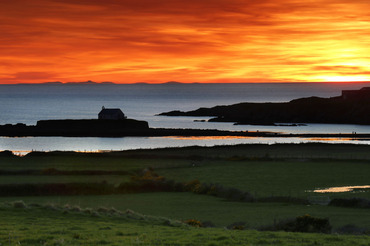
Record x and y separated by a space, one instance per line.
89 82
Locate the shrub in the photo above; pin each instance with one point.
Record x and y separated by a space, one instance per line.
115 211
201 188
305 223
350 202
178 187
88 211
51 207
191 185
247 197
55 189
75 209
195 223
147 175
212 190
35 205
352 229
103 210
234 194
236 226
19 204
129 211
217 190
286 199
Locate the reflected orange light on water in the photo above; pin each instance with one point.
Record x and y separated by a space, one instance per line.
341 189
331 139
210 137
21 152
25 152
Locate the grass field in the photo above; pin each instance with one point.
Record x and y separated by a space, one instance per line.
264 171
33 179
184 206
60 226
278 178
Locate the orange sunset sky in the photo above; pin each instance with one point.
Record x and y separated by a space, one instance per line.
127 41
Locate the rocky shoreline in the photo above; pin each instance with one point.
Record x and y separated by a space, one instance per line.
352 107
98 128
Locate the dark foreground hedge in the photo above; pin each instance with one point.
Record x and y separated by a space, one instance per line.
56 189
305 223
350 202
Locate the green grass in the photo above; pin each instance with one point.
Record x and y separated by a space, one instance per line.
262 170
129 160
44 179
83 162
40 226
260 178
183 206
277 178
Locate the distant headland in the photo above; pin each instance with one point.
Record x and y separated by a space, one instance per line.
112 122
90 82
352 107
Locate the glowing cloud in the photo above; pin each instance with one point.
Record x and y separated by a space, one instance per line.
190 41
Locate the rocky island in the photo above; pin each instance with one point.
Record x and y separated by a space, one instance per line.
113 123
110 122
352 107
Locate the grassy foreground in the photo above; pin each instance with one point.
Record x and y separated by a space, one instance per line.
184 206
50 225
265 171
297 178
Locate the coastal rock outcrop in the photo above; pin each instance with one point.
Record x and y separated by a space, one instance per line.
352 107
84 128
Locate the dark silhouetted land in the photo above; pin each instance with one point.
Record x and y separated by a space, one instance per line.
352 107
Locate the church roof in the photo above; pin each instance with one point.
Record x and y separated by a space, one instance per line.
111 111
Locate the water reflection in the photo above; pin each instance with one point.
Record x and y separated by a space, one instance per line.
341 189
24 145
210 137
332 139
21 152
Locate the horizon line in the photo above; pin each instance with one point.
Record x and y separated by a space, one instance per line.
89 82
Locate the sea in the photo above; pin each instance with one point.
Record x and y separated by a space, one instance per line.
28 103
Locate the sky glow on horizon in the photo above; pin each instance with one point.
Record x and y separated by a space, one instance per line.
128 41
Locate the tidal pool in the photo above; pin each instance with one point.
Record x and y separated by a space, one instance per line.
342 189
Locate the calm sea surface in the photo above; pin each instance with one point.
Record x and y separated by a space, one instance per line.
30 103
